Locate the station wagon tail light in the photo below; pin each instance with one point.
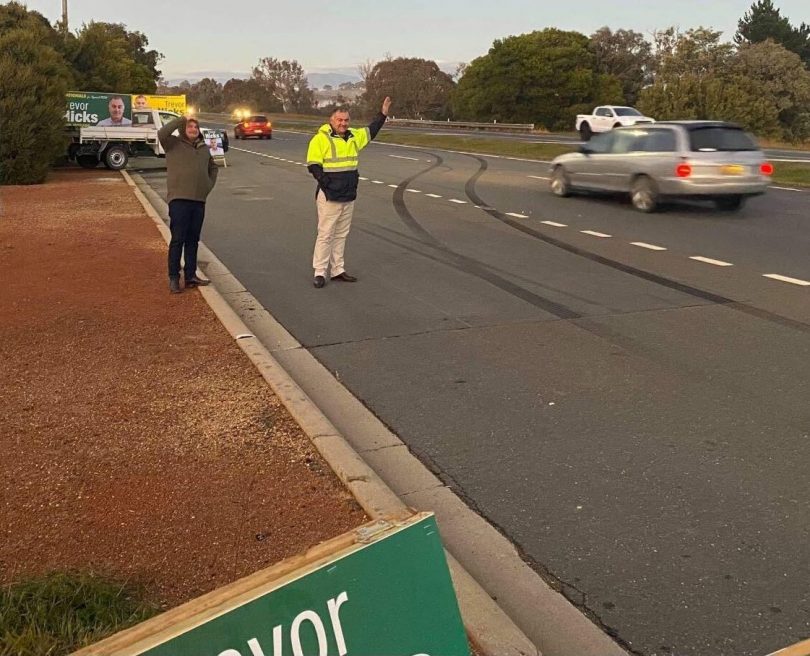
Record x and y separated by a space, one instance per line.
683 170
246 124
766 168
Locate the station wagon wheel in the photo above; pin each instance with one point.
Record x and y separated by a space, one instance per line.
559 183
644 195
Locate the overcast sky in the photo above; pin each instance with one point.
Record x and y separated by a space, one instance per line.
334 36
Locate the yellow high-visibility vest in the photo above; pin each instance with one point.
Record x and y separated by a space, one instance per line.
336 154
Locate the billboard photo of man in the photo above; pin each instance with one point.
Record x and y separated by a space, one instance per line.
117 107
140 102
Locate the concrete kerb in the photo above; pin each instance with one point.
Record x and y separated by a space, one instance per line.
489 628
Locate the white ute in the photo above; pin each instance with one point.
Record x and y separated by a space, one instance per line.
113 146
607 117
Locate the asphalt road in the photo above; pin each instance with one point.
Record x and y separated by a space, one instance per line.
635 420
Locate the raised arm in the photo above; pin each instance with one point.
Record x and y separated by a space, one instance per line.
167 140
376 125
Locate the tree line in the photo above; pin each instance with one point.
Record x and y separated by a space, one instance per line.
39 62
760 80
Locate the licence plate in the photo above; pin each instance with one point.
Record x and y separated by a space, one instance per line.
257 131
732 169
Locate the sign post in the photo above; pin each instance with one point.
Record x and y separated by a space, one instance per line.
382 590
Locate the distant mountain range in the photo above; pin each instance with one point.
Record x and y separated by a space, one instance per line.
316 80
320 80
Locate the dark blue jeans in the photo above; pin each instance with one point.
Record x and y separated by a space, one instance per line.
186 221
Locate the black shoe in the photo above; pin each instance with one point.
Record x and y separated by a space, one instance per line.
197 282
319 281
345 277
174 285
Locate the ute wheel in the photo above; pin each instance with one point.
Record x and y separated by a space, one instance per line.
116 158
559 183
617 125
87 161
644 195
729 203
585 132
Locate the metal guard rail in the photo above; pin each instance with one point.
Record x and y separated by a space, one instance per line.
462 125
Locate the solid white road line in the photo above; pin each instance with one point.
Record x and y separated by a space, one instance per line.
649 247
593 233
555 224
459 202
708 260
540 177
414 159
789 189
792 281
516 215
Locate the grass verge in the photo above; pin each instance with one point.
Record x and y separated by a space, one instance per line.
792 173
59 613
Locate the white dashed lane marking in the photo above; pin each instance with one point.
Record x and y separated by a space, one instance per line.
649 247
792 281
593 233
555 224
540 177
516 215
708 260
458 202
433 195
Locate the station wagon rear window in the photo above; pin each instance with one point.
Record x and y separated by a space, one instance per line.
714 138
258 119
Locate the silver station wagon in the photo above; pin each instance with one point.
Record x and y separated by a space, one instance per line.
705 160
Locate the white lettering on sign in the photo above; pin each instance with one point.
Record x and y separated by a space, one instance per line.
333 608
295 632
334 615
73 116
310 616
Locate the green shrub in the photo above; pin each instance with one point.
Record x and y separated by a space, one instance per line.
33 79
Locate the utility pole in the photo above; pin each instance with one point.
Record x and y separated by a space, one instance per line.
65 17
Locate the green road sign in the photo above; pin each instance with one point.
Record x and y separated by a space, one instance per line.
389 596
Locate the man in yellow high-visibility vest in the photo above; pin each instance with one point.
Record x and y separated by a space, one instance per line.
332 159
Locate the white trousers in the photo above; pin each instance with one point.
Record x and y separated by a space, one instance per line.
334 223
